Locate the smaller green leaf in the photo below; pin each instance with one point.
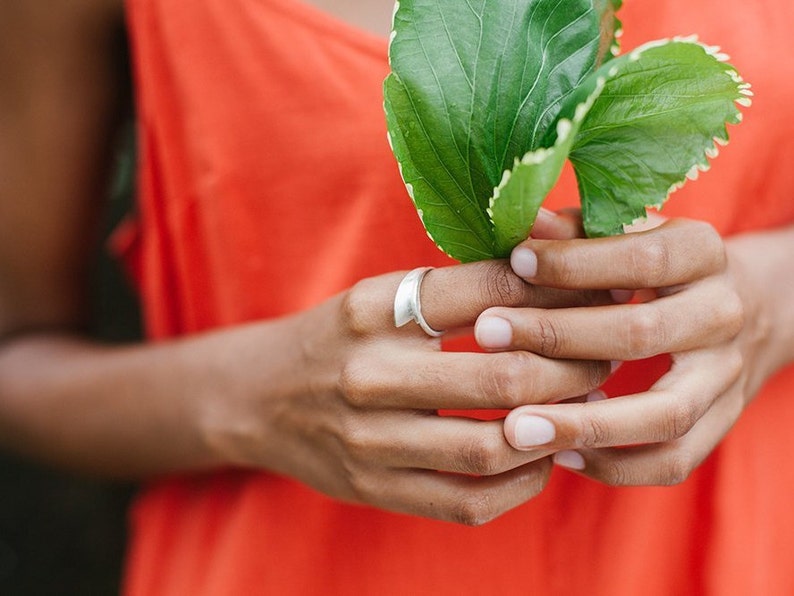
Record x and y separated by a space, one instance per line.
655 124
517 199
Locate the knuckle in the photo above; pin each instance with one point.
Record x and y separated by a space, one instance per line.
540 478
680 419
547 336
474 510
645 331
482 455
506 382
563 267
732 315
712 244
357 443
358 308
676 469
597 372
353 470
361 488
356 383
594 432
653 262
502 287
615 473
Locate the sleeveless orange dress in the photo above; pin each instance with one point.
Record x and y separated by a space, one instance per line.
267 185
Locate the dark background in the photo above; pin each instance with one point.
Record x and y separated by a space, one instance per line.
60 534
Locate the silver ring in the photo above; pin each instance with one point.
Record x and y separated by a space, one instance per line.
408 305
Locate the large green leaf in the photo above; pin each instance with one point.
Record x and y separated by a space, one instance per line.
474 85
488 98
655 124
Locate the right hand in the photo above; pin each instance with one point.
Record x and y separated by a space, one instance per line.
349 402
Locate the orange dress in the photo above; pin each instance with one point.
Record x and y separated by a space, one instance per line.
267 185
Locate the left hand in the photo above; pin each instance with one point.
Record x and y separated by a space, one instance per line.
697 313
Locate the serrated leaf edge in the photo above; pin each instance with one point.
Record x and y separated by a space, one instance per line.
565 128
744 99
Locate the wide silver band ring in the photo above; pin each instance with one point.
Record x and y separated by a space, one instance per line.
408 304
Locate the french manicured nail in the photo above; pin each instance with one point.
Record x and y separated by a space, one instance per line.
569 459
532 431
493 332
524 262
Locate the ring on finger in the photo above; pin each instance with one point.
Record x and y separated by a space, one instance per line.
408 304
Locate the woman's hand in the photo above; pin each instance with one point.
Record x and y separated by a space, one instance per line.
706 311
349 402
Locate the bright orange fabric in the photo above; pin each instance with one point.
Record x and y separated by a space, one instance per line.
267 185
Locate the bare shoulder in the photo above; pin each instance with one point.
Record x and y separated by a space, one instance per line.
62 83
33 29
32 12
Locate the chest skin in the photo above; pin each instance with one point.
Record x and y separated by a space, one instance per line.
370 15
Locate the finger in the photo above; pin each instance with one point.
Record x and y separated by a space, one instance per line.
663 464
432 442
664 413
557 226
456 380
704 314
452 297
455 296
467 500
679 251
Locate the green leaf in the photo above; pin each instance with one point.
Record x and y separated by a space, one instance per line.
474 85
518 197
487 99
654 125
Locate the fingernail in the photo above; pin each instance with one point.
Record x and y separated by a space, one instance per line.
546 215
532 431
524 262
493 332
622 296
596 395
615 364
569 459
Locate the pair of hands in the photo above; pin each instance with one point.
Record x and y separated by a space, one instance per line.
361 423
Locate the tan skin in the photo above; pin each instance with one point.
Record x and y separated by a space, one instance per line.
713 311
373 16
321 395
